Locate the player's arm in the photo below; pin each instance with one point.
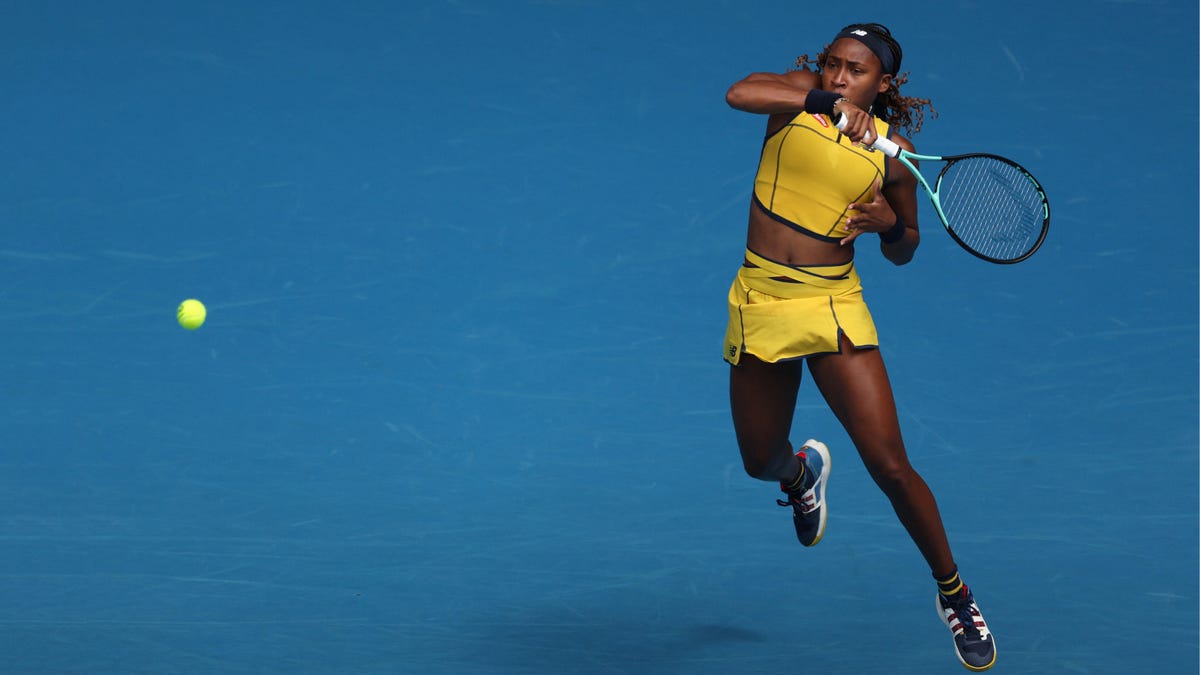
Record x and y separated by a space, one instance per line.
900 190
772 93
882 210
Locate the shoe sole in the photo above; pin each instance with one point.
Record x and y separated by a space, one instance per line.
823 480
946 622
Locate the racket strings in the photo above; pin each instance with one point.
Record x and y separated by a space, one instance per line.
993 206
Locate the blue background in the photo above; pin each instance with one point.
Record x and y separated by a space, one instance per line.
459 404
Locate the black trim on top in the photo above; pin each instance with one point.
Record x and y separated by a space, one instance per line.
795 226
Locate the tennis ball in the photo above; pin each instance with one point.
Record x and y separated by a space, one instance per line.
191 314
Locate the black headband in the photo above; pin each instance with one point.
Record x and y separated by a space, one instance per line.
875 43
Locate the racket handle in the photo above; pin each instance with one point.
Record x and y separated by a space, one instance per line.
884 145
887 147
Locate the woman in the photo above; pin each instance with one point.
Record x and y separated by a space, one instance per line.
797 296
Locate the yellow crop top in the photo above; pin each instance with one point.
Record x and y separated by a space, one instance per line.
809 173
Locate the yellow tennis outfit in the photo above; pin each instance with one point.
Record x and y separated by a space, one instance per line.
807 176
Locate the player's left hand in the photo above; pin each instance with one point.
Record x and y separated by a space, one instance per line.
873 216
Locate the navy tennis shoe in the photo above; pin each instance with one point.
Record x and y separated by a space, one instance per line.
808 503
973 642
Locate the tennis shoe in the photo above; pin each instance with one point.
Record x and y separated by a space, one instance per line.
808 502
973 642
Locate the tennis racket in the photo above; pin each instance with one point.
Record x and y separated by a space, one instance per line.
990 205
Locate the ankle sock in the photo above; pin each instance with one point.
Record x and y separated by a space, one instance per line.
950 585
797 484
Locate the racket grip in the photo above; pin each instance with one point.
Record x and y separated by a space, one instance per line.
884 145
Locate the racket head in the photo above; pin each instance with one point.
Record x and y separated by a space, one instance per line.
993 207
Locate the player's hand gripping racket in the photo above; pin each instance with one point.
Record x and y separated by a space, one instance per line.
990 205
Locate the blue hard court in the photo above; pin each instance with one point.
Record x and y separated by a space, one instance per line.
459 405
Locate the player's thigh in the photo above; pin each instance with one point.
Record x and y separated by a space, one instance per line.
762 397
855 385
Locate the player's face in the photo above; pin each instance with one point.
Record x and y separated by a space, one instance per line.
852 70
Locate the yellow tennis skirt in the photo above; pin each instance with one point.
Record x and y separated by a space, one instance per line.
779 312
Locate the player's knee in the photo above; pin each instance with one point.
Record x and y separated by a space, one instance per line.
893 476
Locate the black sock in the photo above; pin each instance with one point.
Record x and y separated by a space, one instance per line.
950 585
796 484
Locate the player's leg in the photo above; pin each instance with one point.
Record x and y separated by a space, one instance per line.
763 400
856 387
762 397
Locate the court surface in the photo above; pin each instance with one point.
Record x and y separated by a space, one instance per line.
459 406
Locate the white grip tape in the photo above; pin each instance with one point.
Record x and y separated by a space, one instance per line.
884 145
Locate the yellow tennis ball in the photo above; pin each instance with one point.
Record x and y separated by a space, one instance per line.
191 314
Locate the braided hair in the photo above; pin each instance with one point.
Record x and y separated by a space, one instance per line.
903 111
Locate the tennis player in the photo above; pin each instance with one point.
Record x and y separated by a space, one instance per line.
797 296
